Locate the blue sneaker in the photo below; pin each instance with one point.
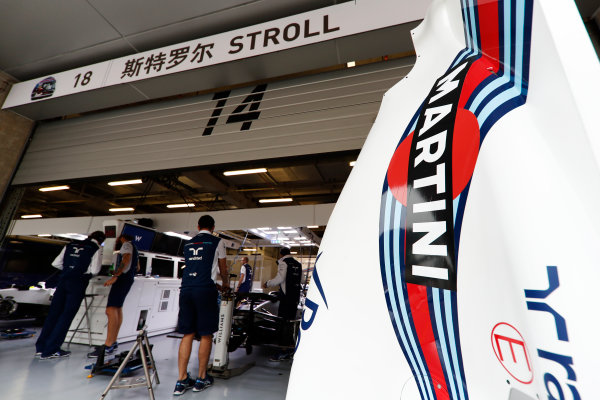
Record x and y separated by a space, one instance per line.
59 354
182 386
107 350
112 348
202 384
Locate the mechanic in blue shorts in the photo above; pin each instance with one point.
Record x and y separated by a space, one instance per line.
198 306
126 267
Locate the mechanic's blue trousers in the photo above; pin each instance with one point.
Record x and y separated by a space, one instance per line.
65 304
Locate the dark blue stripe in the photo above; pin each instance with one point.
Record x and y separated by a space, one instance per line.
430 300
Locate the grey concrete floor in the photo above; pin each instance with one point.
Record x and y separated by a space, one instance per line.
24 377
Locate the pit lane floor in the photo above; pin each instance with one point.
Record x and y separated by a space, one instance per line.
24 377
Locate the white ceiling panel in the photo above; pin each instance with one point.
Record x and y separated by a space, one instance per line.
41 29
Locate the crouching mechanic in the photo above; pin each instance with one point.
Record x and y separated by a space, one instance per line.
198 302
78 261
289 276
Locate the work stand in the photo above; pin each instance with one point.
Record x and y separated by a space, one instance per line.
85 316
143 345
230 372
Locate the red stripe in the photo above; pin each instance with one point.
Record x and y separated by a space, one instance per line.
419 306
489 62
488 31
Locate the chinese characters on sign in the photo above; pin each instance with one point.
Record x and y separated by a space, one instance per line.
155 62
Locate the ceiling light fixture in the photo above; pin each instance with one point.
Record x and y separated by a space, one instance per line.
290 232
44 235
181 205
245 171
281 200
54 188
284 227
179 235
76 236
249 249
351 64
312 226
31 216
128 182
120 209
271 232
351 163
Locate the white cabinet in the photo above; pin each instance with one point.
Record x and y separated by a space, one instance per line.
154 300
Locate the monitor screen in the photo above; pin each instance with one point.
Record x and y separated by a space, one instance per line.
110 231
142 237
162 267
143 263
166 244
27 262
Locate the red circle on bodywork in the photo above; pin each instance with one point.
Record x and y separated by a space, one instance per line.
465 149
398 169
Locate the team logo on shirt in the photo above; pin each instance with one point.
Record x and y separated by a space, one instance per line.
195 253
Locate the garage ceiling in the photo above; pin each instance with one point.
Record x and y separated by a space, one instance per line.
306 180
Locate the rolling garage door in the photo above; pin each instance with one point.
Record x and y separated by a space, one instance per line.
316 114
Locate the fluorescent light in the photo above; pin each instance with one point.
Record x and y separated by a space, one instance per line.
290 231
312 226
351 163
351 64
44 235
31 216
53 188
120 209
179 235
281 200
245 171
293 252
284 227
265 229
249 249
128 182
181 205
72 236
272 232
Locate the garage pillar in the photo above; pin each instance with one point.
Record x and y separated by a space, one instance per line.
15 132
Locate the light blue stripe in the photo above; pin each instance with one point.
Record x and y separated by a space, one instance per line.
435 292
506 73
473 27
391 293
453 351
398 274
516 89
467 26
455 206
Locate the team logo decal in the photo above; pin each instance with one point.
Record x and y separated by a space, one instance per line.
510 349
44 88
427 185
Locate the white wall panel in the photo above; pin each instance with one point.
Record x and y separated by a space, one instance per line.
309 115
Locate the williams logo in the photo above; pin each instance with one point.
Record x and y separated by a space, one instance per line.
44 88
195 252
